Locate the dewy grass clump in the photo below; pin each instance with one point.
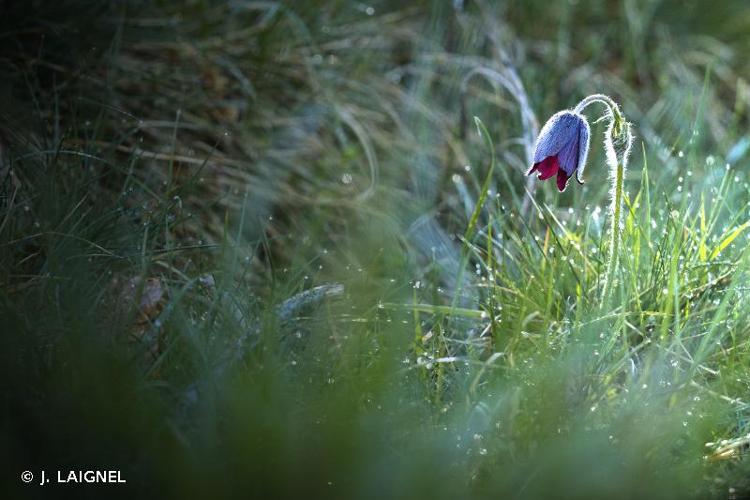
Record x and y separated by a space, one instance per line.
562 148
248 247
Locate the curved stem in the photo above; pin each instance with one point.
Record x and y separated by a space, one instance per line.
614 243
602 98
617 166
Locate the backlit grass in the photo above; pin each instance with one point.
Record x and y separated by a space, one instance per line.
257 248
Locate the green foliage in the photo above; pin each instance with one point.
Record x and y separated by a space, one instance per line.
255 247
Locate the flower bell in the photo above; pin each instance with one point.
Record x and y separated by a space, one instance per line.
562 147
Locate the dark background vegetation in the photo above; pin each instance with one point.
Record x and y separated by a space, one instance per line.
234 256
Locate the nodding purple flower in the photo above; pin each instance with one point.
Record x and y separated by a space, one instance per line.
561 148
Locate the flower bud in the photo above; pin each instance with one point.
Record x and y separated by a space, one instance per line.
618 140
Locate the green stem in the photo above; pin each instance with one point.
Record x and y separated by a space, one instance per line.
614 243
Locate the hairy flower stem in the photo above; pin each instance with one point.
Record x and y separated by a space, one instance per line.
604 99
614 242
617 141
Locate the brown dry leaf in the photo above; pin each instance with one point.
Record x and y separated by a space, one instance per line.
729 448
151 296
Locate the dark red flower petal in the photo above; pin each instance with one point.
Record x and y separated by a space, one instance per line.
562 180
547 167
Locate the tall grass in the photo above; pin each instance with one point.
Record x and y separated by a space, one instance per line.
258 248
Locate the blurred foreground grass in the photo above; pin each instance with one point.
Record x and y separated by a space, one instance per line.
234 255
